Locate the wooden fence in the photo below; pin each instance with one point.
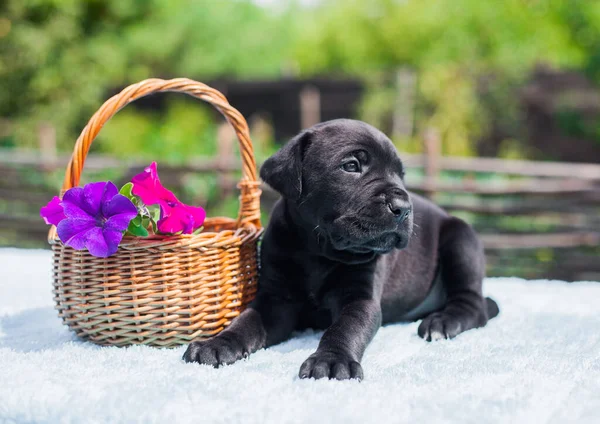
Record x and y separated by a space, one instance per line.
536 219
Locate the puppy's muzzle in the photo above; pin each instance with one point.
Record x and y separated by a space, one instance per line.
399 206
384 224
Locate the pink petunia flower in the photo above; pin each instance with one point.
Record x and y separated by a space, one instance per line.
175 216
53 212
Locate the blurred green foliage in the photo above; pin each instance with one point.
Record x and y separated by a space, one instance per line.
453 45
182 130
60 58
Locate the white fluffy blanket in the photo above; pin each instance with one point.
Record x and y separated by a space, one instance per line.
538 362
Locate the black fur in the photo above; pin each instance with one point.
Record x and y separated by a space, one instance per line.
348 249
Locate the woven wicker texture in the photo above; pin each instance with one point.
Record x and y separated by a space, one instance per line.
162 290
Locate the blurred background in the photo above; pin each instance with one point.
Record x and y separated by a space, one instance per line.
495 105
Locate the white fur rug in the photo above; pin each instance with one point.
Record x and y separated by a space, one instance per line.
538 362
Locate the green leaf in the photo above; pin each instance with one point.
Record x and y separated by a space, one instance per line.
137 221
137 230
126 190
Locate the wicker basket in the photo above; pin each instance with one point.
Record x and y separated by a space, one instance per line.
162 290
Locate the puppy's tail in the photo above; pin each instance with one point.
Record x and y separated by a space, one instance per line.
492 308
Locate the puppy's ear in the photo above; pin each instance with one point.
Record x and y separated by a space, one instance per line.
283 170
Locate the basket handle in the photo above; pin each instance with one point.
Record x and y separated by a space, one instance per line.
249 211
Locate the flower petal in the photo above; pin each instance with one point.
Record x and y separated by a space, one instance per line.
74 197
110 191
96 244
103 243
171 224
120 211
120 205
53 212
147 186
113 238
95 194
74 211
198 216
183 218
118 222
74 232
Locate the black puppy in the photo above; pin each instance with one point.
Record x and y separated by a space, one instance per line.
347 249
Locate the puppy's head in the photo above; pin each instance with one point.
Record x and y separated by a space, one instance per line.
346 179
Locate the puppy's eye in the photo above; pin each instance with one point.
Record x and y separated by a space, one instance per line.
352 166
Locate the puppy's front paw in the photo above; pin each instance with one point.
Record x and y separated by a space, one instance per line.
330 365
219 350
440 325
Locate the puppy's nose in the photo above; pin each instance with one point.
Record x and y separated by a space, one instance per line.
399 207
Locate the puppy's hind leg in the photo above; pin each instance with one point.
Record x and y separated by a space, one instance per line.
462 267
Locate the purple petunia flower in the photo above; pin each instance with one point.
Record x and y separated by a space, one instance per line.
96 217
175 216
